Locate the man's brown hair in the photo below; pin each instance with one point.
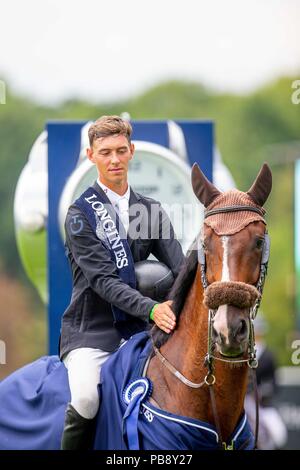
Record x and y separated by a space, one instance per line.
109 125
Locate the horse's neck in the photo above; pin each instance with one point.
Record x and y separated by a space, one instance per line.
186 350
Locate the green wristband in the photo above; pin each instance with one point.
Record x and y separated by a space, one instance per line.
152 311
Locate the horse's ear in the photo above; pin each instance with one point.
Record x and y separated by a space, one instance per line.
262 186
205 191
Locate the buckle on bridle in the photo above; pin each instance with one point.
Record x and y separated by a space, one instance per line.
253 363
208 377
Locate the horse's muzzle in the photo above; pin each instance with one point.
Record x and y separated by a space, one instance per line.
239 294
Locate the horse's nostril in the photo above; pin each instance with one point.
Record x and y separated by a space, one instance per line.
241 331
214 334
218 337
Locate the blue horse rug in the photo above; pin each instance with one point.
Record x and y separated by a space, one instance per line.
34 398
32 406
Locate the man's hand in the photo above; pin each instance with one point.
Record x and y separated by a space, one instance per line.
164 317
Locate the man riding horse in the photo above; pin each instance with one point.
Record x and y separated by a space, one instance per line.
109 228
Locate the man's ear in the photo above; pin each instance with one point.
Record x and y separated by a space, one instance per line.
132 149
90 155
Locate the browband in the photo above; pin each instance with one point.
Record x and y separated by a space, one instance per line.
221 210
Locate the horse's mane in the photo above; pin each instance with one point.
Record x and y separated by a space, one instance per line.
178 294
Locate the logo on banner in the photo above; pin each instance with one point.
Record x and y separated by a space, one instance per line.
106 231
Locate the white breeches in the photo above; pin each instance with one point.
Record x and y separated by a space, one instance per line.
84 367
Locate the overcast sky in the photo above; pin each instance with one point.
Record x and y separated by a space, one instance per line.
106 50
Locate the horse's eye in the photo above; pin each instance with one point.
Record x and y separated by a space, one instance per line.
259 243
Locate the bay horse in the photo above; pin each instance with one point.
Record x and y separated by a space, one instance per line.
186 390
215 299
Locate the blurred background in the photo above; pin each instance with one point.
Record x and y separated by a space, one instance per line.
236 63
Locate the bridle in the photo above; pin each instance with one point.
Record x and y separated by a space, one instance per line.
251 359
210 357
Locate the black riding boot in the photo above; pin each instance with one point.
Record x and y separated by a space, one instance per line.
78 432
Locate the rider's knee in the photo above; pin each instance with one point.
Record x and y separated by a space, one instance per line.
86 405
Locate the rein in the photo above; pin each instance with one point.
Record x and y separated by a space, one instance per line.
176 372
210 357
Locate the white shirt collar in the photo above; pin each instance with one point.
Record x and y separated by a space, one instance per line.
112 196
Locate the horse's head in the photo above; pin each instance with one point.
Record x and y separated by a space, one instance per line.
233 253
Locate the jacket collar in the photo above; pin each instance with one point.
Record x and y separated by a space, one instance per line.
133 199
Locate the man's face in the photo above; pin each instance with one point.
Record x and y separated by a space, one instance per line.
111 155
